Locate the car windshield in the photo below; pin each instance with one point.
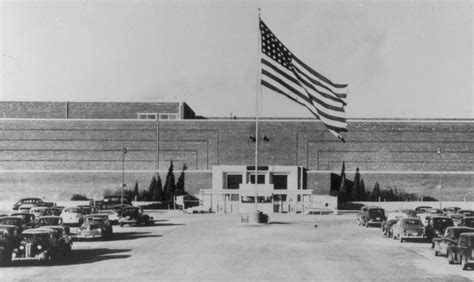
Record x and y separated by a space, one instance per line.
376 212
50 221
10 221
457 232
413 222
36 237
443 222
72 210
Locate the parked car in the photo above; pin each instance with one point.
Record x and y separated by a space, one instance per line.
134 216
87 209
114 213
450 210
436 226
56 210
467 221
8 239
464 252
62 241
197 209
15 221
31 201
28 218
407 212
95 226
466 212
422 209
39 211
373 216
72 216
449 240
408 228
51 220
35 245
110 201
387 227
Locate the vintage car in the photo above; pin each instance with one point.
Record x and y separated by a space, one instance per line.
456 217
57 210
51 220
422 209
463 252
87 209
110 201
72 216
62 241
95 226
409 228
373 216
26 201
197 209
134 216
436 226
466 212
467 221
8 239
36 245
449 240
28 218
450 210
114 213
39 211
14 220
387 227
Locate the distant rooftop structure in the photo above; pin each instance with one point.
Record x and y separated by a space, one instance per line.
96 110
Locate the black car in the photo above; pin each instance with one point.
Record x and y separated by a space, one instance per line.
464 251
467 221
373 216
436 226
445 244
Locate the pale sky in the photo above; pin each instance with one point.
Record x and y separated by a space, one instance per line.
401 59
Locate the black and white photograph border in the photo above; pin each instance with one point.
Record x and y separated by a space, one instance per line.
159 140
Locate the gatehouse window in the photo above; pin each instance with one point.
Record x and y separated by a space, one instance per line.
280 181
260 178
233 181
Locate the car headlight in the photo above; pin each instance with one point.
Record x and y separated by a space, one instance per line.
21 247
39 247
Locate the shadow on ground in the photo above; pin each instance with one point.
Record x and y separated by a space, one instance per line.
279 222
131 236
80 257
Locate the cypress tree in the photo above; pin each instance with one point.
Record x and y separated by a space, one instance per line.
158 190
356 190
180 184
170 185
135 194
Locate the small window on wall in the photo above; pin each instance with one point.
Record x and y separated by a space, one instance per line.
280 181
248 199
147 116
233 181
260 179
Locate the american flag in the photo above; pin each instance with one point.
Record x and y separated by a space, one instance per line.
284 73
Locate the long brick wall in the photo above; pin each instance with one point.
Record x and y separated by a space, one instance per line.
86 155
90 110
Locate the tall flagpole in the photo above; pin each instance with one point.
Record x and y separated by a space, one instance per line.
257 112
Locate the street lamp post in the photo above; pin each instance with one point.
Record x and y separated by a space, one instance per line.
440 184
124 151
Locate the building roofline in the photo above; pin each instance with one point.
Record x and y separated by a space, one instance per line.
264 119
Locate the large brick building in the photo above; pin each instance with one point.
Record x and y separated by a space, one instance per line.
60 148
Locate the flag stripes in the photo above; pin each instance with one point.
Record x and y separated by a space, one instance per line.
287 75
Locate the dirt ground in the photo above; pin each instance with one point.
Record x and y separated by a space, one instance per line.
220 247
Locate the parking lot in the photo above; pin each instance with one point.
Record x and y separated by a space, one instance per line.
219 247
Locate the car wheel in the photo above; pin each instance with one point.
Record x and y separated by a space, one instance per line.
450 257
121 224
436 253
464 263
400 238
